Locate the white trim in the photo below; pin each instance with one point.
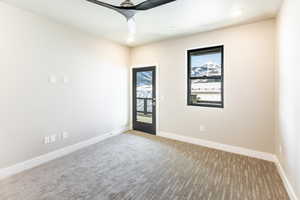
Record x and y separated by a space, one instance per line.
20 167
286 181
219 146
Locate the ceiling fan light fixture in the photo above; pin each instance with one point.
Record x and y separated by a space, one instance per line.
127 3
131 26
131 30
128 10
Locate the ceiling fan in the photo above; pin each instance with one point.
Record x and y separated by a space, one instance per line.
128 9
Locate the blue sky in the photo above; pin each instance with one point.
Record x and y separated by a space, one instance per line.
202 59
144 78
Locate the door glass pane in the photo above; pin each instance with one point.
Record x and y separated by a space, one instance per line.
144 84
140 105
149 106
141 117
144 96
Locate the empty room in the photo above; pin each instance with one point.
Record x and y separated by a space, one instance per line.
149 100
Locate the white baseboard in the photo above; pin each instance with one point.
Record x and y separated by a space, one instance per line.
20 167
219 146
237 150
286 181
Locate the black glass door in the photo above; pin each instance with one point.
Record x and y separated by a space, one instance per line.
144 100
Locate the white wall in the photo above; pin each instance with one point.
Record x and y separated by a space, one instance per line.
288 92
248 117
94 102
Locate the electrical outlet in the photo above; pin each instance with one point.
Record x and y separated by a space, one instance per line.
202 128
47 140
65 135
280 149
52 138
52 79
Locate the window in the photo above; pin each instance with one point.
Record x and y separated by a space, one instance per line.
205 77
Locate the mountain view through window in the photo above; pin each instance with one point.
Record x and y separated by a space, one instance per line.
144 96
205 77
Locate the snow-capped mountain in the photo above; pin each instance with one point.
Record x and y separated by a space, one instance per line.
207 69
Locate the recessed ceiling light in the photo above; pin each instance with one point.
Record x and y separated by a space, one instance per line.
237 12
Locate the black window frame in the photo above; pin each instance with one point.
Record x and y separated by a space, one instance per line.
213 49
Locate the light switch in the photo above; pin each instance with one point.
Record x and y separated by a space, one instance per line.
52 79
65 135
46 140
66 79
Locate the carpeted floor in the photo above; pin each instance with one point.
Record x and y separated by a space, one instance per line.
136 166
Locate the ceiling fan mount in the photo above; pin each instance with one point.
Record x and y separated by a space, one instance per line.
127 3
128 9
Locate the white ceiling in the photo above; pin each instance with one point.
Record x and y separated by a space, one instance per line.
178 18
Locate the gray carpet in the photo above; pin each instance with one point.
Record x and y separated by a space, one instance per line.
137 166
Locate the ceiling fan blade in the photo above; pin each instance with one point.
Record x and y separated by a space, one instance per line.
126 12
149 4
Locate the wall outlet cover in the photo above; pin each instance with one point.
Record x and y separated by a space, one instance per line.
202 128
66 79
280 149
52 79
